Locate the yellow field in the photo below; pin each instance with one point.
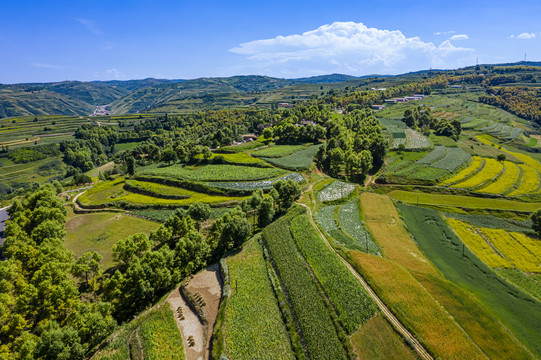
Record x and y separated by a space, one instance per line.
505 182
491 170
478 163
529 182
417 309
524 158
516 252
385 224
478 245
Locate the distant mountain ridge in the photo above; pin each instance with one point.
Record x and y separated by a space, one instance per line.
133 96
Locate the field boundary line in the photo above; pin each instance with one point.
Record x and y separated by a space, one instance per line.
421 351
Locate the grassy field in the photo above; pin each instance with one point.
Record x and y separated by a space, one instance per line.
36 171
100 231
253 326
384 223
315 322
467 202
153 335
353 304
417 309
444 249
298 160
376 340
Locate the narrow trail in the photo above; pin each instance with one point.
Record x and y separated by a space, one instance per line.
421 351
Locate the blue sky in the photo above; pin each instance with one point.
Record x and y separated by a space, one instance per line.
52 40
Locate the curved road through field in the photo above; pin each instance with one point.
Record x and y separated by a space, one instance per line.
421 351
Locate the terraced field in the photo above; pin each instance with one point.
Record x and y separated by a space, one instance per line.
506 182
477 164
491 171
336 191
213 172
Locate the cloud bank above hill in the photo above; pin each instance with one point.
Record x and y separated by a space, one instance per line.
352 48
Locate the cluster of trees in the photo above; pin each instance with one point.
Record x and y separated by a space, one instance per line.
41 313
521 101
29 154
422 119
293 133
355 145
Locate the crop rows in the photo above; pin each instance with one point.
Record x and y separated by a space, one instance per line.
516 248
506 181
299 160
345 292
350 220
335 191
478 245
416 140
529 284
433 156
529 182
453 159
254 185
477 164
214 172
315 322
491 170
253 326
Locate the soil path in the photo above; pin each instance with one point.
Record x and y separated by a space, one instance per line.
208 283
421 351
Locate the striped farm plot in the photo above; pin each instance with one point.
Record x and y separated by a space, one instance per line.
529 182
506 182
476 165
416 140
436 164
491 171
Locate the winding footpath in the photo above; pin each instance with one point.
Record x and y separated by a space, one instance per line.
418 347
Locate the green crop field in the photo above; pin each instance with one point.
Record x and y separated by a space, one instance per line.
277 151
444 249
315 322
100 231
153 335
240 158
350 221
253 325
336 191
345 292
213 172
299 160
528 283
254 185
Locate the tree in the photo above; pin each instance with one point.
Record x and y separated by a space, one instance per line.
501 157
130 164
125 250
58 343
169 155
268 133
87 264
199 212
266 212
536 221
288 192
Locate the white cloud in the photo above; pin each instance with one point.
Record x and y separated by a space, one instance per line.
90 26
349 47
444 32
523 36
117 75
459 37
46 66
